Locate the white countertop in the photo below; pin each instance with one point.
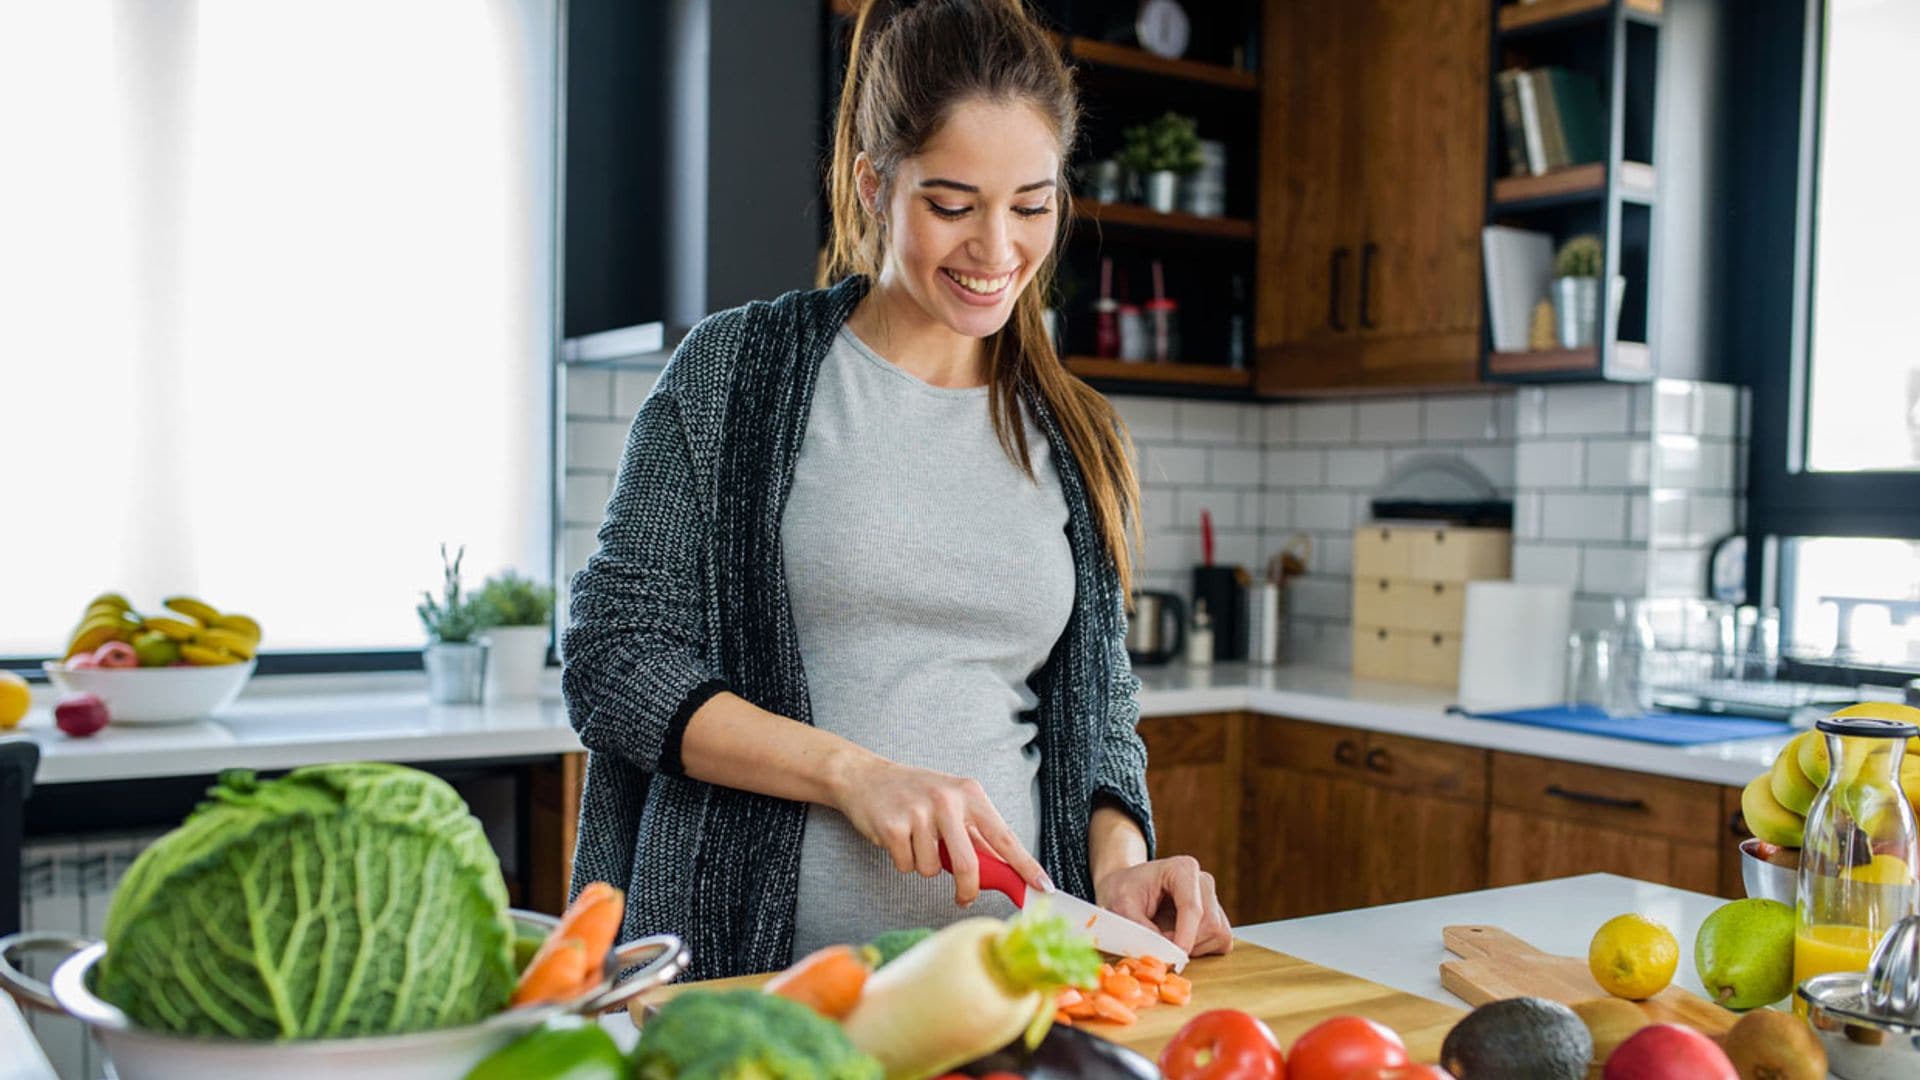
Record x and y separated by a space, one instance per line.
285 721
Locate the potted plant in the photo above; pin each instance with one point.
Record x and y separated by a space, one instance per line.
456 663
1576 291
1161 151
515 613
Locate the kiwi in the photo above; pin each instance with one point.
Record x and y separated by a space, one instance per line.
1519 1037
1611 1021
1769 1045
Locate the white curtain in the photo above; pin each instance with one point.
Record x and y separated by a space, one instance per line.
275 307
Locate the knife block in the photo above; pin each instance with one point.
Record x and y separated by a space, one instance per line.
1224 588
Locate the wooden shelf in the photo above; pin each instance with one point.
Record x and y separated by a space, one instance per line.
1092 367
1628 356
1524 16
1108 54
1571 184
1132 216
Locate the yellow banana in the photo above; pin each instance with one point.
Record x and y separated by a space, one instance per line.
187 605
93 635
112 599
182 629
226 640
206 656
239 624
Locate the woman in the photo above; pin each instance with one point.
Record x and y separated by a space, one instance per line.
859 591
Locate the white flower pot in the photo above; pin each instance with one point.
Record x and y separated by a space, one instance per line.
1163 188
519 658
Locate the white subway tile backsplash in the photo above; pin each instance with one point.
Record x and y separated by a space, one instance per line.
1330 554
1236 467
1147 418
1363 468
1173 465
1619 571
1679 572
1719 410
1296 468
1547 564
1322 510
1390 420
1276 510
1224 506
1171 553
1238 548
1159 505
584 500
1637 517
1567 516
1530 411
1642 395
1362 506
1615 463
1459 418
1709 517
1550 463
1326 597
1506 412
1279 424
1495 462
1678 463
630 389
1674 405
596 444
1528 520
1669 522
1589 410
1318 423
589 393
1209 421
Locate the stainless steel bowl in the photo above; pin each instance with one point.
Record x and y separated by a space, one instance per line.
1870 1021
427 1055
1764 880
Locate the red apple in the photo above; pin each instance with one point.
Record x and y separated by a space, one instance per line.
116 654
1669 1052
80 715
83 662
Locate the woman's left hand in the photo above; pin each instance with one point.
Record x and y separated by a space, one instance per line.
1174 894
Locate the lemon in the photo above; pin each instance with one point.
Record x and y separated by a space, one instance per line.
1883 870
14 699
1633 957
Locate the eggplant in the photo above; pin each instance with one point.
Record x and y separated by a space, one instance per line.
1067 1053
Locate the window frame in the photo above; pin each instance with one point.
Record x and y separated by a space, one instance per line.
1773 260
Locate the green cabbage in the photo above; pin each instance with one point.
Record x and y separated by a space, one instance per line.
340 900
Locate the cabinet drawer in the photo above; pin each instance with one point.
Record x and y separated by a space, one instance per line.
1458 554
1298 744
1611 798
1403 604
1380 551
1408 656
1379 653
1425 767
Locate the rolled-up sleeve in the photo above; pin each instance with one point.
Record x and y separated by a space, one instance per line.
636 647
1120 767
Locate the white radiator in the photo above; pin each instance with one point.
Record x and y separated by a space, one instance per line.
65 887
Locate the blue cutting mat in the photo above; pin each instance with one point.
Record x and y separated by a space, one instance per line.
1667 728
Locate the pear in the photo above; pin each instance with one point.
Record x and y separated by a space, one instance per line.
1744 953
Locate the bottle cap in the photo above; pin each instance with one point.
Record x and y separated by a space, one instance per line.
1867 727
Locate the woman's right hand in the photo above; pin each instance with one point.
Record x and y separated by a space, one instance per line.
910 811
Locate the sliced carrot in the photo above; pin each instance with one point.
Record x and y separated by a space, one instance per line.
1070 995
828 981
1120 985
572 958
1149 965
1061 1017
1106 970
1176 990
1109 1008
1148 976
1081 1010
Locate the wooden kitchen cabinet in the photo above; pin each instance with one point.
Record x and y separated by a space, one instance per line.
1337 818
1553 819
1373 159
1194 766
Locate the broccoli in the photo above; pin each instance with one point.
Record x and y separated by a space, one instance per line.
889 945
745 1035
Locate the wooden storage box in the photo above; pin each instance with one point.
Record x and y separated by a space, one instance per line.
1410 597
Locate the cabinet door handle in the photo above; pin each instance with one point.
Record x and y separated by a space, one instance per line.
1737 825
1334 264
1592 799
1378 760
1347 753
1367 251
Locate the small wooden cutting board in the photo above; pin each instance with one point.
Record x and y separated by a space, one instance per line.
1495 965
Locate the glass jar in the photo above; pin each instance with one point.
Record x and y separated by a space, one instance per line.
1858 865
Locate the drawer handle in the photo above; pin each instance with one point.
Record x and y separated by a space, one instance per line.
1383 584
1347 753
1436 641
1382 634
1591 799
1439 587
1378 760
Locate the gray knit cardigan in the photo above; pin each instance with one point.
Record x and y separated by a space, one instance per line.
687 597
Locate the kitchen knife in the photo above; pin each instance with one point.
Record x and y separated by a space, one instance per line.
1111 933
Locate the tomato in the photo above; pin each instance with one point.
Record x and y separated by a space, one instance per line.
1403 1072
1343 1046
1224 1044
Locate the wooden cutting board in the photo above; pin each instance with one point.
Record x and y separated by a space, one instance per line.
1495 965
1291 995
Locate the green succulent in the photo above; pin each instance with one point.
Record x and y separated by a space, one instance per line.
1171 142
511 600
454 617
1580 256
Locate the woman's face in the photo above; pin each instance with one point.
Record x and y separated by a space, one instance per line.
972 216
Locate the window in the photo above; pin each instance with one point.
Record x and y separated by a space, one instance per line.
1835 469
277 299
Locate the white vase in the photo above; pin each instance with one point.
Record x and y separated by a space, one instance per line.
1163 189
519 660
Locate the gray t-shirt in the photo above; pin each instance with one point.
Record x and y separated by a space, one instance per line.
929 579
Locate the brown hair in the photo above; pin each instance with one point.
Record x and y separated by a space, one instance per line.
903 79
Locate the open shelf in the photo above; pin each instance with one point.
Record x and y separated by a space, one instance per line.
1523 17
1109 54
1131 216
1092 367
1573 184
1628 355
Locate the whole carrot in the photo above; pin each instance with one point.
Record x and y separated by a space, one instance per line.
828 981
572 958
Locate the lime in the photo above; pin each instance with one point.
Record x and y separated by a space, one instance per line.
14 699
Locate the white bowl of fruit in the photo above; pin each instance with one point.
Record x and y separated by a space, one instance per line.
181 665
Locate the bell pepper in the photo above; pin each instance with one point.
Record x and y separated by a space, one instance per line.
564 1048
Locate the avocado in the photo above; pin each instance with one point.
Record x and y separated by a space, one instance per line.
1518 1039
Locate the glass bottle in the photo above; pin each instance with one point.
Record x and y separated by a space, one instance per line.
1858 864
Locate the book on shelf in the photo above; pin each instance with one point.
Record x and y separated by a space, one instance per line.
1550 118
1519 269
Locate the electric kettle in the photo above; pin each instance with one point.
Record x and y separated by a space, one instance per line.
1150 638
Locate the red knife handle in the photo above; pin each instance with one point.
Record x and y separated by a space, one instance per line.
995 874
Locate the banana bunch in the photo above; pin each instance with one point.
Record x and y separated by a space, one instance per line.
1775 803
191 631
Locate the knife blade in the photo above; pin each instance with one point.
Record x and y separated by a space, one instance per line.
1111 933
